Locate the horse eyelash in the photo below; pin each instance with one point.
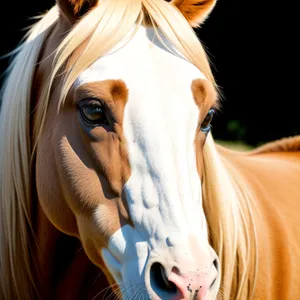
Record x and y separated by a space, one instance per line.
102 102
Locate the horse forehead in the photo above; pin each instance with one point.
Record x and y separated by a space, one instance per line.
144 62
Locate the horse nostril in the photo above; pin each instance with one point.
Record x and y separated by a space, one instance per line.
159 278
216 264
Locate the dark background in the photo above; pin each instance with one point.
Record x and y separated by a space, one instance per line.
254 48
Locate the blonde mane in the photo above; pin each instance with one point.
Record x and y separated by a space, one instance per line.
227 201
16 260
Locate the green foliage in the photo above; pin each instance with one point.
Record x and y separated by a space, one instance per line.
236 129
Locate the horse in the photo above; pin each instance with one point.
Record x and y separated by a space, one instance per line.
111 183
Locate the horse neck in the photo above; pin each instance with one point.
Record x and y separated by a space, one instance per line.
63 270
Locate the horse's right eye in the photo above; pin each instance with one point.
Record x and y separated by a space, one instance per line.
93 111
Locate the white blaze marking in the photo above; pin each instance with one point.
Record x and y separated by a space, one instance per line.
160 121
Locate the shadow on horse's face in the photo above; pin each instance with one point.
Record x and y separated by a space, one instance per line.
120 167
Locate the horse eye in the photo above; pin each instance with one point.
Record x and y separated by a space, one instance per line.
206 124
92 111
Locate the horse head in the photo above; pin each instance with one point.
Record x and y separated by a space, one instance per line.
124 102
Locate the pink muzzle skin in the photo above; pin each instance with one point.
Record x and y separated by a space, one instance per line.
192 286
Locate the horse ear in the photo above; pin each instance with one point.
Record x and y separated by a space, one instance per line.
195 11
75 9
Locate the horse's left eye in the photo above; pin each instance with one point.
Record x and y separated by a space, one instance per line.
93 112
206 124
